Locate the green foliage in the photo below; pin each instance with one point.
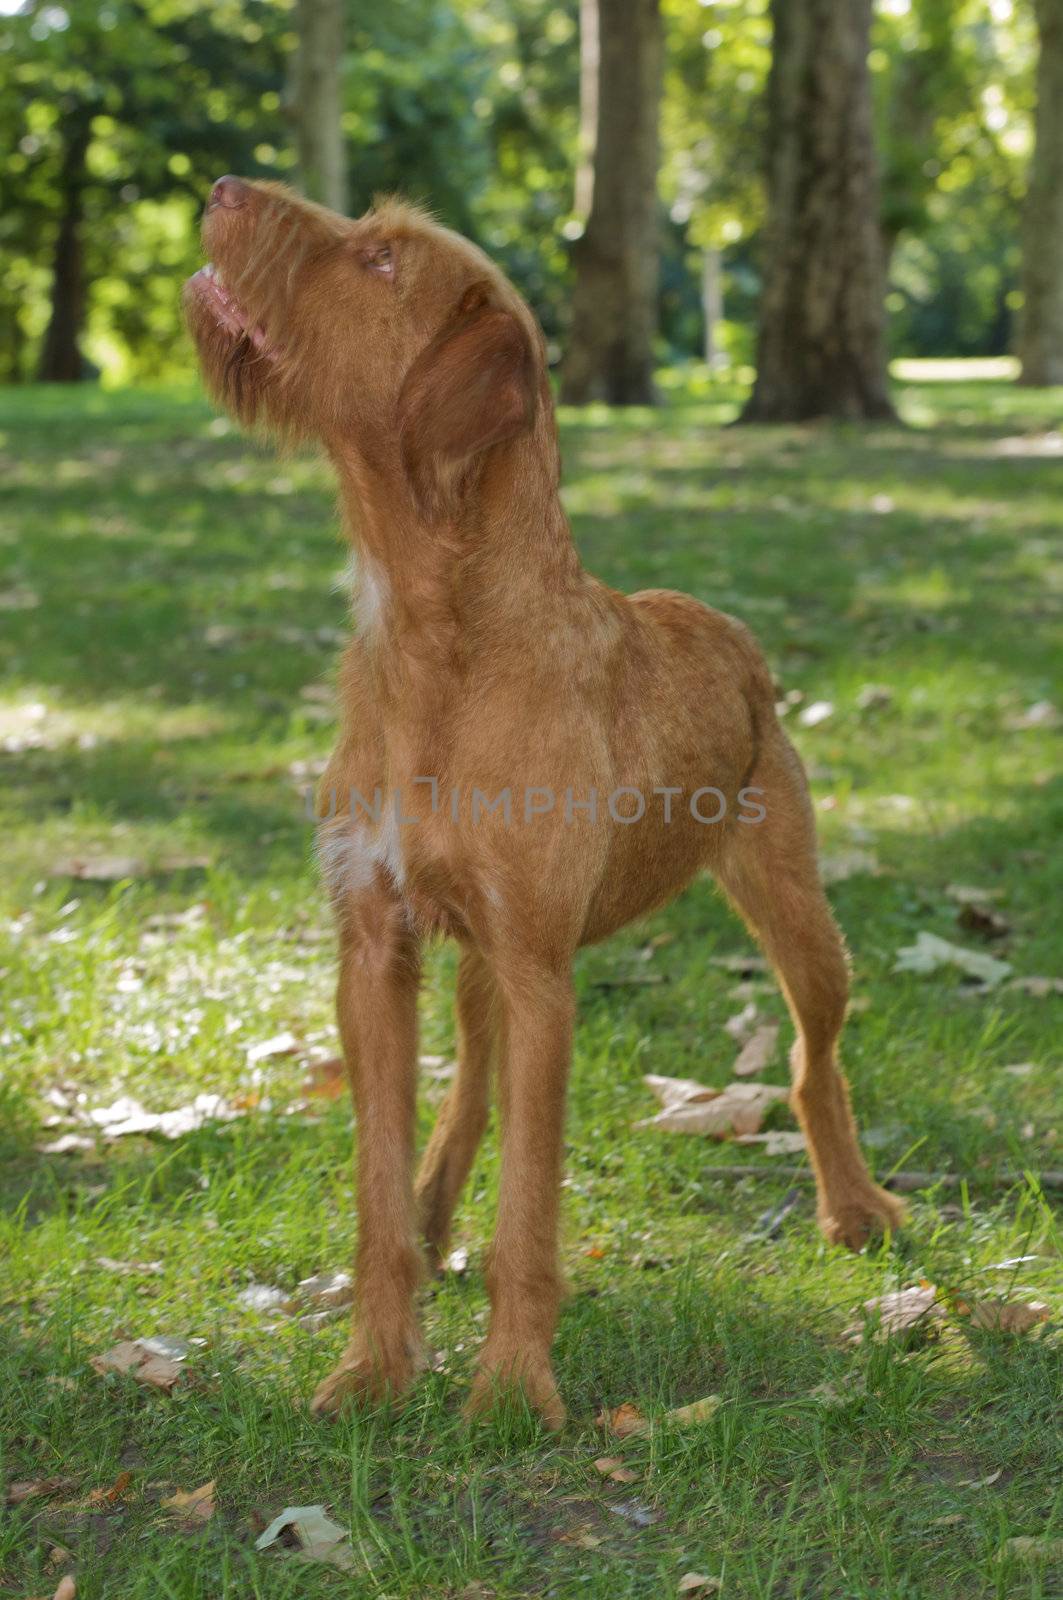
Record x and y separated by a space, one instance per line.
472 106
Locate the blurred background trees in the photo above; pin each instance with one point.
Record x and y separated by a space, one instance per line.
646 238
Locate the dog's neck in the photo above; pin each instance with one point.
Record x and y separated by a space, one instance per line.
433 594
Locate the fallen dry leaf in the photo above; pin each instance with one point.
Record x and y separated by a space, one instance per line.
698 1583
1003 1316
457 1261
981 1483
67 1589
130 1269
744 1023
625 1421
108 1496
28 1488
614 1468
281 1044
155 1362
903 1311
1029 1549
784 1142
66 1144
327 1079
697 1411
318 1538
1036 986
262 1297
673 1092
757 1051
193 1505
333 1289
740 1108
929 953
127 1116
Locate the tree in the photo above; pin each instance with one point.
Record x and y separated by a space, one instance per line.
317 103
820 347
113 121
609 353
1041 328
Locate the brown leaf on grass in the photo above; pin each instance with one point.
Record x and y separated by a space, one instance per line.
155 1362
1028 1549
740 1108
1042 714
698 1583
744 1024
1038 987
625 1421
316 1536
757 1051
930 952
67 1589
780 1142
192 1505
614 1468
1008 1316
27 1489
697 1411
981 1483
327 1079
108 1496
903 1311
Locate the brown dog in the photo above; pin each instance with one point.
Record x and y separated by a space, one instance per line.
527 760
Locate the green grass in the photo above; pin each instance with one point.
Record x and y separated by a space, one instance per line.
168 597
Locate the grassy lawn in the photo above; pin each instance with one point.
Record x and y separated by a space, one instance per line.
168 626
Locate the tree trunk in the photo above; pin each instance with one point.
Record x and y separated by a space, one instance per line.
61 359
614 303
712 304
820 347
1041 330
317 102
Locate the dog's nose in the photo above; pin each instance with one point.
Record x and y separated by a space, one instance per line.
228 192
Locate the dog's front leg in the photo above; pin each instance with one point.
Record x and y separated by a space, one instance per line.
523 1275
377 1005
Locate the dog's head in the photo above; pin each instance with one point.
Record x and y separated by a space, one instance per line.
387 336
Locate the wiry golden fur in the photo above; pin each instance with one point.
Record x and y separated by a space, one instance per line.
489 660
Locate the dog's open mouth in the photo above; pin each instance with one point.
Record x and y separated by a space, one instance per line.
226 309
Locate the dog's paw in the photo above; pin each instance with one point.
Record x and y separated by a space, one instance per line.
508 1376
361 1379
862 1213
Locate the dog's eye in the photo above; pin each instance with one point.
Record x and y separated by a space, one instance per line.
380 259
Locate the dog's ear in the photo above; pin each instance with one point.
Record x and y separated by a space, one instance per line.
473 387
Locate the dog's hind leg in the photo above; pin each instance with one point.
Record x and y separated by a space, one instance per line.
462 1117
768 870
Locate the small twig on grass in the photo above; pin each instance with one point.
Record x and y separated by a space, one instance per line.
902 1182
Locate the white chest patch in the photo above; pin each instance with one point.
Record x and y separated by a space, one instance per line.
370 597
350 854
